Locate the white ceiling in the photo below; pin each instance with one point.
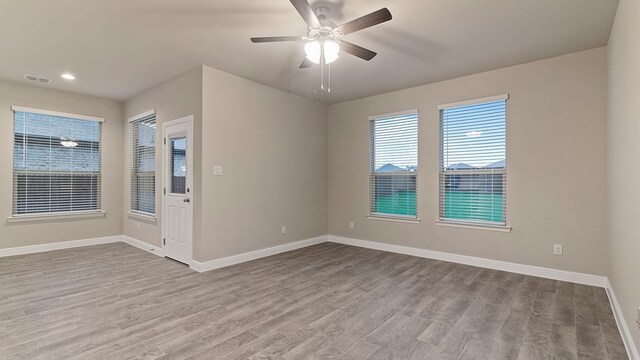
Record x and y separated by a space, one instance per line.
119 48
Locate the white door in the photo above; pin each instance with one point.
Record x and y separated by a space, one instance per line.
178 189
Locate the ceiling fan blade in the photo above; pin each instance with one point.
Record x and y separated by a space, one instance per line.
267 39
372 19
356 50
306 63
307 13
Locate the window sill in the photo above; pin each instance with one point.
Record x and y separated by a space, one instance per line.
143 217
56 216
463 225
394 219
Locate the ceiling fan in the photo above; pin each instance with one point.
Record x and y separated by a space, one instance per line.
324 42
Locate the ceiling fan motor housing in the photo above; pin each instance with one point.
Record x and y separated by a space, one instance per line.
328 31
321 12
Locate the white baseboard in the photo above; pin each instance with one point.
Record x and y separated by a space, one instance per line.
562 275
156 250
579 278
237 259
625 332
21 250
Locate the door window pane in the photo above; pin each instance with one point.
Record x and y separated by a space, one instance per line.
178 165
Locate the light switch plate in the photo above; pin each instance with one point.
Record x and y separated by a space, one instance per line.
217 171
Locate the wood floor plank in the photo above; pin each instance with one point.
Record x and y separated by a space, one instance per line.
508 342
590 341
563 342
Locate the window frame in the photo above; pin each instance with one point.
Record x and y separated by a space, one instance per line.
471 224
411 219
132 211
55 215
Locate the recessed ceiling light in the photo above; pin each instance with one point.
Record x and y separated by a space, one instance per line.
68 76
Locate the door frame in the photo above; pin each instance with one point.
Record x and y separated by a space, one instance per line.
165 178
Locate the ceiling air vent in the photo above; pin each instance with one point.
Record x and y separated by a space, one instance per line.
37 78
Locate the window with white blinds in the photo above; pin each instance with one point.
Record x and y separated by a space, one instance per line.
56 162
473 168
143 163
394 165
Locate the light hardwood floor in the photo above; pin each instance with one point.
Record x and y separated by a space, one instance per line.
328 301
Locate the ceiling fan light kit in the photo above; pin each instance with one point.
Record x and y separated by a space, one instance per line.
316 49
323 42
313 51
331 51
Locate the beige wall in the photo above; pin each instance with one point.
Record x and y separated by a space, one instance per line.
555 153
32 233
273 149
623 157
174 99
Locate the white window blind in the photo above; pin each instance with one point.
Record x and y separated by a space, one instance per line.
56 162
394 165
473 168
143 164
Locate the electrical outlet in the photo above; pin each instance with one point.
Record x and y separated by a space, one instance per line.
284 230
557 249
350 224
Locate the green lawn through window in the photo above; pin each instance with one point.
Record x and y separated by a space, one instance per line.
458 204
468 205
400 203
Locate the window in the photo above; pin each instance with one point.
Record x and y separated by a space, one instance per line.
473 168
56 162
394 165
143 163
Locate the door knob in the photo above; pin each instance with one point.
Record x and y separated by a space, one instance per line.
186 200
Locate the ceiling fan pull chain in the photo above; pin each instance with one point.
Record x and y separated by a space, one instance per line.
329 76
321 69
